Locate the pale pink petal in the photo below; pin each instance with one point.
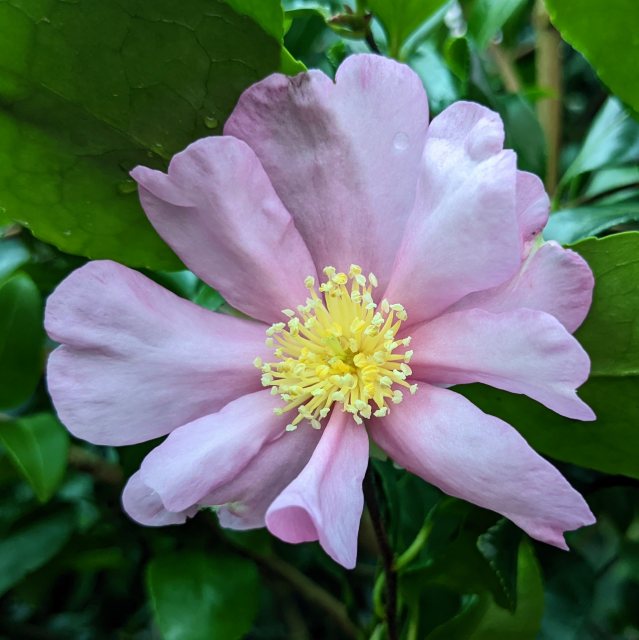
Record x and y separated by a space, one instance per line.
551 279
145 506
206 454
137 361
342 156
250 493
463 234
521 351
443 438
533 206
218 211
325 501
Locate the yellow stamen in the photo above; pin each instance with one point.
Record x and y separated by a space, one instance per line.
338 348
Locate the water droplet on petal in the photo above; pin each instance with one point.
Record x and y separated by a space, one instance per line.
210 122
401 141
127 186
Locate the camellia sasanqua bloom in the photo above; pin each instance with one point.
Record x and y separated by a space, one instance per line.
380 260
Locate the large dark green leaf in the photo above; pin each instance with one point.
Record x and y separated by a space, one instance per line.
13 254
197 596
38 445
32 546
21 340
90 88
611 337
604 32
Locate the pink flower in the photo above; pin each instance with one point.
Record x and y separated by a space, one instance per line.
313 186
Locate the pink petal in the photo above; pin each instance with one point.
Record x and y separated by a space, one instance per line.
250 493
219 212
137 361
521 351
145 506
443 438
202 456
463 234
342 156
552 279
533 206
325 501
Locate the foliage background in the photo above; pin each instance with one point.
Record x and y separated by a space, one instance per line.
88 89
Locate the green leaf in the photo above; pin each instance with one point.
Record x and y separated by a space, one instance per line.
21 340
604 33
89 89
613 139
38 445
570 225
197 596
487 17
441 86
500 546
400 18
482 619
610 335
31 547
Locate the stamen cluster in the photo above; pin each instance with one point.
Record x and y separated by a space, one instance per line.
339 349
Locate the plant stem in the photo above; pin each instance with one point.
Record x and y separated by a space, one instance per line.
98 467
388 557
312 592
548 70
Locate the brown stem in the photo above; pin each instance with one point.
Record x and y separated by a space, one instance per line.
388 557
506 68
549 78
99 468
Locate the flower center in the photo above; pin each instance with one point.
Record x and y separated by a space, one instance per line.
338 349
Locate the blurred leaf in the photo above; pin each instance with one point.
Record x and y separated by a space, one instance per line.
523 132
610 336
613 179
400 18
441 85
457 56
21 340
31 547
13 254
197 596
38 445
487 17
90 89
482 619
570 225
500 546
613 139
604 32
208 298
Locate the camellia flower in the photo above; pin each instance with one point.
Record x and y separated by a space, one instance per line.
381 260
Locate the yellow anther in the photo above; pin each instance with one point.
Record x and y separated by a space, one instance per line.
338 348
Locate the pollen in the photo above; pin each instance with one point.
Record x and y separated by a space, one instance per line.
338 348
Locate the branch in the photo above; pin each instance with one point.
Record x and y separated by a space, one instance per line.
98 467
548 70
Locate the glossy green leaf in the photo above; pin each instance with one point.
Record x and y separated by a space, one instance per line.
610 335
400 18
482 619
29 548
612 180
38 445
613 139
21 340
197 596
441 85
487 17
90 89
570 225
604 32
